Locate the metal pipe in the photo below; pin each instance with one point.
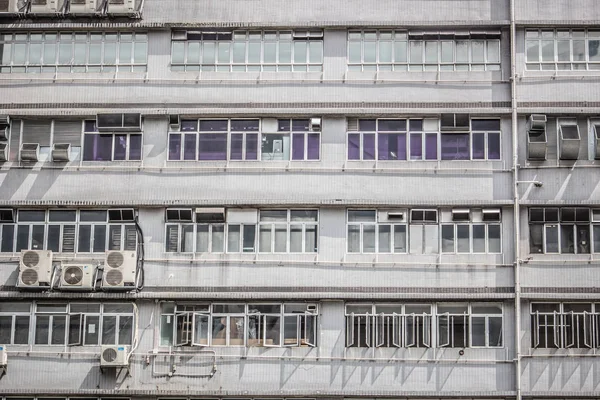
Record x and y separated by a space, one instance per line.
515 137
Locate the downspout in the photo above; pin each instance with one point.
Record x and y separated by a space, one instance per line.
515 168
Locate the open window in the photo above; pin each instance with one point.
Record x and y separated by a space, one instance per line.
183 326
537 141
201 326
75 329
569 140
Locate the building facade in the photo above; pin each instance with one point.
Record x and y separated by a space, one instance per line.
316 200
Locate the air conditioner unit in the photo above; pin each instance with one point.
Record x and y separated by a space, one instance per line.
315 124
209 215
43 6
114 356
392 215
311 307
61 152
77 277
9 7
35 269
3 152
117 7
30 152
4 132
82 6
174 122
269 125
119 270
537 122
119 122
3 356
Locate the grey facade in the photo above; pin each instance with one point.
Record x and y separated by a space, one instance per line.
525 249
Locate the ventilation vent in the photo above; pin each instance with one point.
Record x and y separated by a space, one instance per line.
30 152
353 124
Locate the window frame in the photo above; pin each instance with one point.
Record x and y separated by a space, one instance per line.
559 224
288 225
559 326
541 35
87 132
377 225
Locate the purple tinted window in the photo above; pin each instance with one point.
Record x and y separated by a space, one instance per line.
120 152
455 146
367 124
252 146
313 146
416 146
97 147
188 125
392 125
478 146
212 146
300 125
431 146
494 146
135 147
189 146
237 142
392 146
244 125
298 146
90 126
416 125
283 125
217 125
369 146
175 146
354 146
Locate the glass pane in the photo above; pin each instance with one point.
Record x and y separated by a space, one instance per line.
462 51
385 238
249 238
416 52
354 239
5 328
455 146
59 327
37 237
280 238
296 238
369 239
21 329
84 239
8 232
368 146
462 239
187 239
567 239
109 324
265 238
552 239
477 48
208 53
495 331
218 238
270 53
431 52
370 52
202 238
399 238
478 238
354 52
354 146
42 329
239 52
233 238
22 237
91 329
125 329
448 238
310 239
53 242
400 49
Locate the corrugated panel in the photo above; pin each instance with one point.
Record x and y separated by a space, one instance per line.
67 132
37 132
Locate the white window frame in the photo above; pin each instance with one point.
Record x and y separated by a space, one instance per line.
590 224
288 225
560 327
377 225
538 36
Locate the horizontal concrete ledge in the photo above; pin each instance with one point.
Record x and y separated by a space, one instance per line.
249 292
245 393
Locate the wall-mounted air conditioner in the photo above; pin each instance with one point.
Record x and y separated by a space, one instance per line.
30 152
174 123
119 122
121 7
77 277
3 152
82 6
315 124
43 6
61 152
114 356
35 269
3 356
392 215
461 215
492 215
269 125
4 127
537 141
119 270
9 7
568 142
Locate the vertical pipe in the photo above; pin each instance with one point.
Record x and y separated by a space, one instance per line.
516 210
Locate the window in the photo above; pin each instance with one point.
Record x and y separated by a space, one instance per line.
47 133
247 51
562 49
254 324
245 140
288 231
472 232
565 230
369 234
424 325
103 146
422 139
565 325
73 324
387 50
67 231
189 237
36 52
